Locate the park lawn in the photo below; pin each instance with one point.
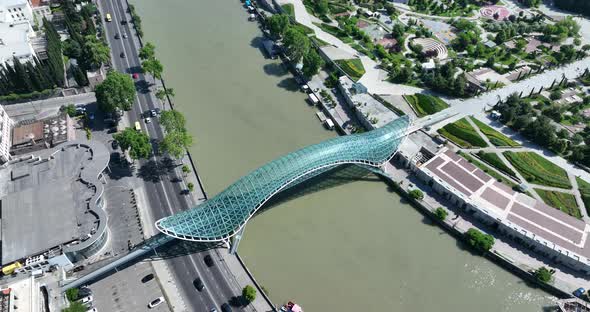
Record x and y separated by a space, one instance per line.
562 201
353 67
487 169
462 134
584 188
495 161
303 29
536 169
319 42
289 9
495 137
425 104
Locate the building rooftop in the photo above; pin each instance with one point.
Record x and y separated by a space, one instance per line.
528 216
375 112
14 41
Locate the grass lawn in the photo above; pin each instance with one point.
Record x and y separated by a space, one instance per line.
495 137
425 104
562 201
495 161
462 134
289 9
536 169
584 188
304 29
318 41
485 168
353 67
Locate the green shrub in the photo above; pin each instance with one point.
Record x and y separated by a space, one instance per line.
416 194
536 169
479 241
249 293
441 213
425 104
353 67
72 294
543 274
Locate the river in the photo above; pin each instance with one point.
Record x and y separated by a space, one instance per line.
353 247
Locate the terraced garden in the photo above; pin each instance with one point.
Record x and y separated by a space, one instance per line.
562 201
495 161
538 170
495 137
463 134
353 67
289 9
424 104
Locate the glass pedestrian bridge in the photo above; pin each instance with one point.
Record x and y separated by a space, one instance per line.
223 216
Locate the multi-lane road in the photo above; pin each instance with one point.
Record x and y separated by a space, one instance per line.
163 196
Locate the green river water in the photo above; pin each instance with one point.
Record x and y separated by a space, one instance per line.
354 247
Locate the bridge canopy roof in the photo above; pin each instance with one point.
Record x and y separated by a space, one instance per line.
225 214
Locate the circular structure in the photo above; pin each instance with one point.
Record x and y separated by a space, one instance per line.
432 47
495 12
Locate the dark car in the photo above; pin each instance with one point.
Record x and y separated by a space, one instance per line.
225 307
198 283
117 36
115 144
209 261
123 22
84 292
158 110
147 278
153 113
122 55
78 268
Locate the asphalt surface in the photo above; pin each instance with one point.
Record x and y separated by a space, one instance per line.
163 195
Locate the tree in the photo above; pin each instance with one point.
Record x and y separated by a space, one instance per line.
175 143
173 121
69 109
148 51
190 186
136 142
278 24
441 213
296 43
75 307
322 7
249 293
416 194
96 52
72 294
79 76
117 91
312 62
153 66
478 240
162 93
185 170
543 274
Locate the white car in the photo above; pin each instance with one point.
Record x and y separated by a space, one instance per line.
156 302
86 300
148 120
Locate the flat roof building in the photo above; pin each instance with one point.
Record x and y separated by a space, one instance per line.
16 32
553 232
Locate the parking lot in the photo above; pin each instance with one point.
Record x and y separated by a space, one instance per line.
125 292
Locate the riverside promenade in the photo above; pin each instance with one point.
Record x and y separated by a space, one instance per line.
505 252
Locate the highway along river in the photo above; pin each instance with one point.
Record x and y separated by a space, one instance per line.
352 247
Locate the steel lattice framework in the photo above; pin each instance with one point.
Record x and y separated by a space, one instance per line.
224 215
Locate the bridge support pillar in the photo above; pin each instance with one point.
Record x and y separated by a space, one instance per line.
236 241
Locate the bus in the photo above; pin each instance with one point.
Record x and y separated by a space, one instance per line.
137 126
108 17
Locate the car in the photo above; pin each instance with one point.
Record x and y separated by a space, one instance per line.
115 144
209 261
124 36
123 22
147 278
92 309
78 268
135 75
117 36
198 283
148 120
579 292
158 110
156 302
122 55
213 310
86 300
225 307
83 292
153 113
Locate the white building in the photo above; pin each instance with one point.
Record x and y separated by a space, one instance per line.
16 33
5 135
